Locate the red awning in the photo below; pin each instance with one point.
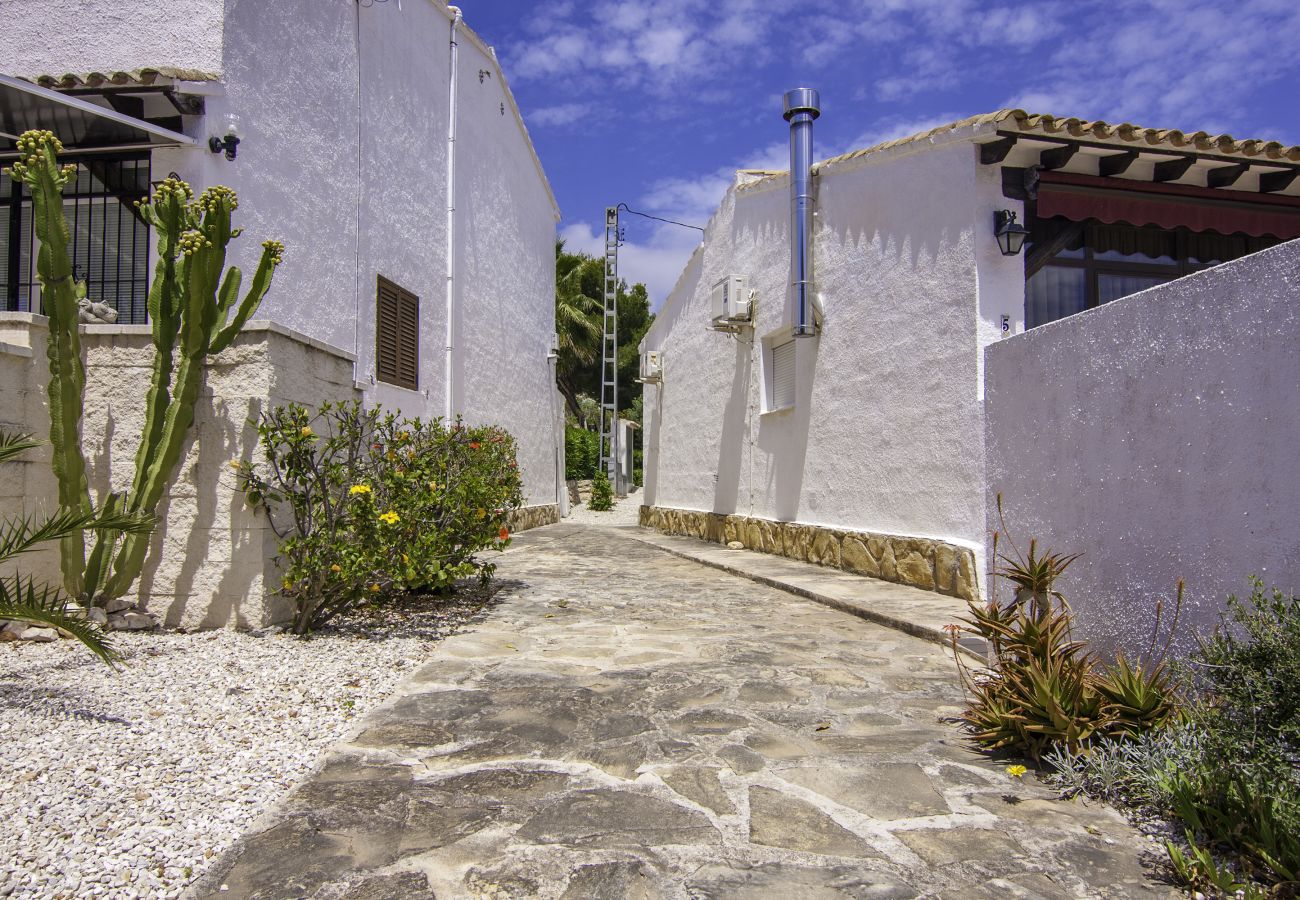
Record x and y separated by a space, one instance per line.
1111 200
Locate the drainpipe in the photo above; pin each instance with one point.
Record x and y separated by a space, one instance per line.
449 408
802 106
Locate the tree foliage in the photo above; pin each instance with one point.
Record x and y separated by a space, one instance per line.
579 307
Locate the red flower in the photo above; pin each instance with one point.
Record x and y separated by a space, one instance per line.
504 533
474 445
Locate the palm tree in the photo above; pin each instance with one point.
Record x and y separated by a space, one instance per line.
577 318
22 598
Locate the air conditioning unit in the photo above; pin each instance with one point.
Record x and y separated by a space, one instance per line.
731 302
652 366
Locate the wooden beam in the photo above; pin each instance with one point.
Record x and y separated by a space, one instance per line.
1042 254
1057 157
1116 164
127 106
994 152
1273 182
1172 169
1223 176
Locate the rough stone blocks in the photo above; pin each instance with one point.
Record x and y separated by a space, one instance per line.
919 562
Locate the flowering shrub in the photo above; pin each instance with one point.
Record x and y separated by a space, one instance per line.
367 505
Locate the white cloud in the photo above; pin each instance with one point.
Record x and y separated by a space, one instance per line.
561 114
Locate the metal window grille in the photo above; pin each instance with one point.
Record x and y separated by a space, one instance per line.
109 241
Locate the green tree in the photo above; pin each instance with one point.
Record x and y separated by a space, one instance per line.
579 307
578 310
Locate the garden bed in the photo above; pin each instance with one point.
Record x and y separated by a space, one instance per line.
130 784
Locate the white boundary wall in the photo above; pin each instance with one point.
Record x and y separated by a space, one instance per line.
1158 435
886 434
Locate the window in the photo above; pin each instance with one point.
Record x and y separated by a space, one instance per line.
397 335
1095 263
109 242
778 371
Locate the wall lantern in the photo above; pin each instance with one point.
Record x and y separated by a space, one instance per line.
1010 233
230 142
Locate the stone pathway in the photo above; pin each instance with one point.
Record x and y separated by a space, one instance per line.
629 724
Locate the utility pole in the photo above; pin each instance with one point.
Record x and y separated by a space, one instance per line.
609 456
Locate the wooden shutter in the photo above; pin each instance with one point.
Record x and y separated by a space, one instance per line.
397 335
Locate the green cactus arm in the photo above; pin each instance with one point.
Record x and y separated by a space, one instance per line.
198 269
39 170
228 296
272 253
166 214
180 416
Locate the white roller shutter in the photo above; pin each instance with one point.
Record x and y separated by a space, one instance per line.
782 380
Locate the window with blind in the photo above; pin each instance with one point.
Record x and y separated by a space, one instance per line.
397 335
778 370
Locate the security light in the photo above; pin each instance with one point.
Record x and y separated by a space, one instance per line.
1010 233
230 142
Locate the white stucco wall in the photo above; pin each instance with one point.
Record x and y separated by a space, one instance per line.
210 563
53 37
886 431
366 142
343 157
506 271
1157 435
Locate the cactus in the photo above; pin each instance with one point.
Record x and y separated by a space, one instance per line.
38 168
195 311
199 313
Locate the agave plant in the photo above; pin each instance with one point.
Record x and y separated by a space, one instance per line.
23 598
1033 574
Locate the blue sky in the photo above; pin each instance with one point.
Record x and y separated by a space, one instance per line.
656 103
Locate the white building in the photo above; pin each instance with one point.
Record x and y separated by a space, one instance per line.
345 115
864 446
380 142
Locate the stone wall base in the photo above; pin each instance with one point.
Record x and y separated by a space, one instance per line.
527 517
919 562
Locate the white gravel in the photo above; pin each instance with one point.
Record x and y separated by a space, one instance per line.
625 512
130 784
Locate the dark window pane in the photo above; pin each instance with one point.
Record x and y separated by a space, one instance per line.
1111 286
1054 293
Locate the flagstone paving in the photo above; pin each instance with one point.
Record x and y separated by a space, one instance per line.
627 723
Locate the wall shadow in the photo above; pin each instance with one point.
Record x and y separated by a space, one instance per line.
735 427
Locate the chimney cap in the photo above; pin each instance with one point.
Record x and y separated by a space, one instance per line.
802 100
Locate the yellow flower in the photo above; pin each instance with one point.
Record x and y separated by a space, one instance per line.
359 489
336 568
374 589
403 436
1016 771
433 485
307 432
482 513
389 518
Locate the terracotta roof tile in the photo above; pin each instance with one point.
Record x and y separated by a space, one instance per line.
1120 134
133 78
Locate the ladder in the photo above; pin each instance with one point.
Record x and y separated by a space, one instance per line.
609 459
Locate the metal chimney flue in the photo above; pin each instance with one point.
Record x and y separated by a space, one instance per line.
802 106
